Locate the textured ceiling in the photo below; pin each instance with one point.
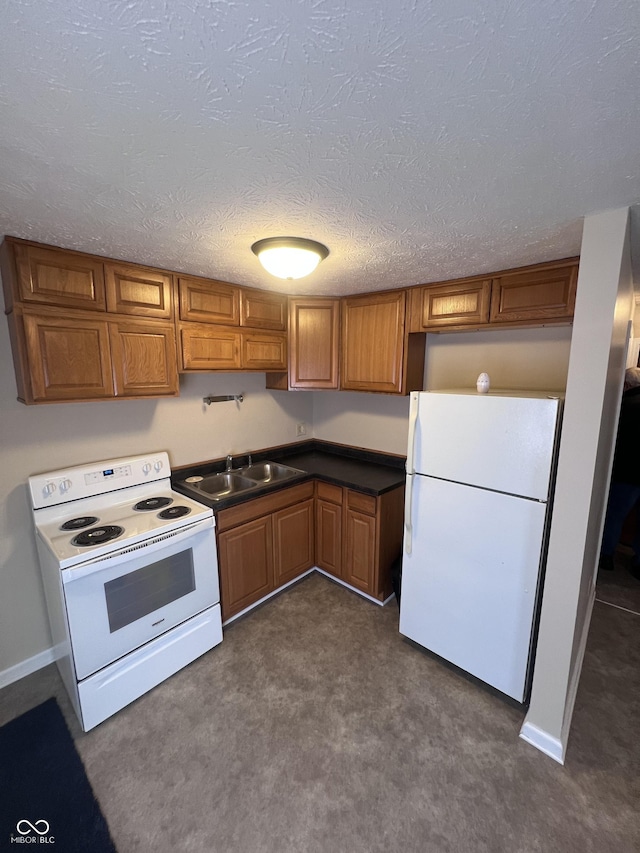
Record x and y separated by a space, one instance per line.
418 139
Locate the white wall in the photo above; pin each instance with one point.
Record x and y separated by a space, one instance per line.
42 438
373 421
535 359
596 370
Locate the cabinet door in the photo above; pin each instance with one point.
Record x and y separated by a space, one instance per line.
207 301
263 351
314 326
245 555
68 359
373 342
359 550
460 303
260 309
209 347
292 541
144 359
55 277
139 291
329 537
535 294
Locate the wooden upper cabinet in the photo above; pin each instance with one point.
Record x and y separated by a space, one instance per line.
136 290
55 277
535 294
206 301
453 303
314 330
260 309
206 347
373 342
68 359
263 351
144 359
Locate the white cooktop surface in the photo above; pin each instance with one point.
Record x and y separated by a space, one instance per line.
115 508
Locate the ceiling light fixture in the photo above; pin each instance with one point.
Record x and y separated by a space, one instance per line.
289 257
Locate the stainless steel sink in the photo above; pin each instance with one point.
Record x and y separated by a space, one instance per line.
231 483
269 472
218 486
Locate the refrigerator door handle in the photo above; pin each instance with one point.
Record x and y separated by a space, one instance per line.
408 499
414 400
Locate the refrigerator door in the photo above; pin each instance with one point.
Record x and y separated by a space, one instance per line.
469 585
494 441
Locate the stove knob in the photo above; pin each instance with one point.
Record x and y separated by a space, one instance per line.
158 465
49 489
146 468
65 485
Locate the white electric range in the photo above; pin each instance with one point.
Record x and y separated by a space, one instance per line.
130 575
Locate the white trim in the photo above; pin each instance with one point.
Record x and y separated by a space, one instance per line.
572 692
543 741
354 589
266 598
617 607
552 746
26 667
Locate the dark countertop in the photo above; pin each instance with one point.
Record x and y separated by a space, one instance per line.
366 471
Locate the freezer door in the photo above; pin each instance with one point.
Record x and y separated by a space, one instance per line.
495 442
469 584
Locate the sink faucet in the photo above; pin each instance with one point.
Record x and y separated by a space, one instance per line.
250 463
229 462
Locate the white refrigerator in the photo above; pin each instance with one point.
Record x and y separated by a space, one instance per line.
480 472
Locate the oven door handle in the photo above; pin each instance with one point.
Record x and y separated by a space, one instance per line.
150 546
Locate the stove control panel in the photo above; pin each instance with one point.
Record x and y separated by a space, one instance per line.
84 481
119 472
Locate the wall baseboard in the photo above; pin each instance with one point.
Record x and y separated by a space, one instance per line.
26 667
543 741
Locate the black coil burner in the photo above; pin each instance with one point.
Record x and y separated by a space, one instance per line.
174 512
152 503
79 523
98 535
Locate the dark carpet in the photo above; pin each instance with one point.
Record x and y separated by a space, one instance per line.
315 728
46 796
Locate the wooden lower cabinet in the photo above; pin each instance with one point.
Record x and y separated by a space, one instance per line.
329 528
245 556
269 541
264 543
359 556
359 536
293 536
372 539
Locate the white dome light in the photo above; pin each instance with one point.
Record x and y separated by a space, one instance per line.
289 257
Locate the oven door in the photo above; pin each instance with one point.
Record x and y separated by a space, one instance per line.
120 602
